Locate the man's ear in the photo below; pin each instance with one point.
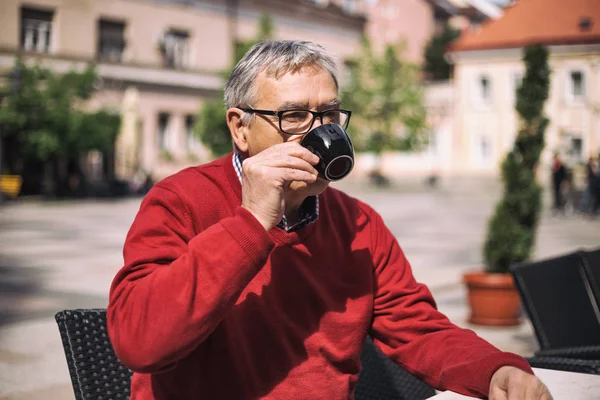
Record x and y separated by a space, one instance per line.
237 128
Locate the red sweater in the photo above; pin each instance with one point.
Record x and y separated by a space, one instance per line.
211 306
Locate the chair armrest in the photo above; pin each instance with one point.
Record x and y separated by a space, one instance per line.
581 352
566 364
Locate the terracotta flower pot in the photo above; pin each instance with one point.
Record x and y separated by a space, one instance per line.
493 299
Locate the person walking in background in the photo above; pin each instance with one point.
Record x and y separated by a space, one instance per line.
559 173
595 185
589 198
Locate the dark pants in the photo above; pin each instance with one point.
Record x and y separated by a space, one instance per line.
558 196
595 199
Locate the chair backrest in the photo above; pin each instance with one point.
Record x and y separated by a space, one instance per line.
97 374
557 296
591 265
95 371
383 379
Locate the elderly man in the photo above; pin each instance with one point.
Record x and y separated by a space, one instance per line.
249 278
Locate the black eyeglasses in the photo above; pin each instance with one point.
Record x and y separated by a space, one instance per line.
299 122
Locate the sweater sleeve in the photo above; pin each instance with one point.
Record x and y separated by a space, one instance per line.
175 288
408 328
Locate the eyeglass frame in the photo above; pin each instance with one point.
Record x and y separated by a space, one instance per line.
315 114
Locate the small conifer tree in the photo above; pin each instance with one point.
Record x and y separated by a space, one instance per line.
512 229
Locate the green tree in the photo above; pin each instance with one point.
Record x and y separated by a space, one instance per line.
436 67
211 126
386 99
512 229
45 120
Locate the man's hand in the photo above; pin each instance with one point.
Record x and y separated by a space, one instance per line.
510 383
267 174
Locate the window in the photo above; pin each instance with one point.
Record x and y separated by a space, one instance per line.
577 84
111 40
433 143
192 142
36 30
163 131
350 6
481 90
174 46
485 89
577 149
485 148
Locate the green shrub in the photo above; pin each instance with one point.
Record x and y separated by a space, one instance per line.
512 229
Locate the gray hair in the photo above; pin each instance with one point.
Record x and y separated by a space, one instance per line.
276 58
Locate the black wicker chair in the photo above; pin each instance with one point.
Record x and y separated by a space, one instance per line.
591 265
382 379
557 297
561 298
97 374
95 371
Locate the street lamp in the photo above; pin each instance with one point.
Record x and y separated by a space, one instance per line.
15 83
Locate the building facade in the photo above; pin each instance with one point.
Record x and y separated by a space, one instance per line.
486 120
159 60
488 68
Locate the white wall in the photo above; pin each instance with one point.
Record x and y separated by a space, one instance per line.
495 121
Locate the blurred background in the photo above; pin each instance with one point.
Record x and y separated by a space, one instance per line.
101 99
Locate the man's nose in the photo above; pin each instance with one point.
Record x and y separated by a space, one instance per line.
318 121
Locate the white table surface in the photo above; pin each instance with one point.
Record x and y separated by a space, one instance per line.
562 385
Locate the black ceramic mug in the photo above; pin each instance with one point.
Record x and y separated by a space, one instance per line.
333 146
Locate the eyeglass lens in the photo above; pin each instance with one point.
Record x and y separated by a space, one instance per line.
299 121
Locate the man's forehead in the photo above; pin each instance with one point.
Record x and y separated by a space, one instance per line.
295 89
284 77
290 104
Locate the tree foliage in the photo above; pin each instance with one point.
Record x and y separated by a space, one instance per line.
512 228
211 126
386 99
46 117
436 67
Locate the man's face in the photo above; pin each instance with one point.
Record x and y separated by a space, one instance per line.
311 89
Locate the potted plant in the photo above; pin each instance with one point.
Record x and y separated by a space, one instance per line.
511 231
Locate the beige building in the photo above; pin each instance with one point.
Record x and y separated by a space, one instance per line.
410 21
415 21
160 59
165 55
488 69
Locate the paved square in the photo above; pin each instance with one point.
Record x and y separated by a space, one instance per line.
60 255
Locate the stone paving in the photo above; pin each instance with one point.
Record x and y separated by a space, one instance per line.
60 255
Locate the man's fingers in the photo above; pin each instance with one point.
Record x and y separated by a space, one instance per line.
537 390
533 389
281 159
527 387
517 387
289 161
547 396
291 174
497 394
510 383
295 150
279 162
